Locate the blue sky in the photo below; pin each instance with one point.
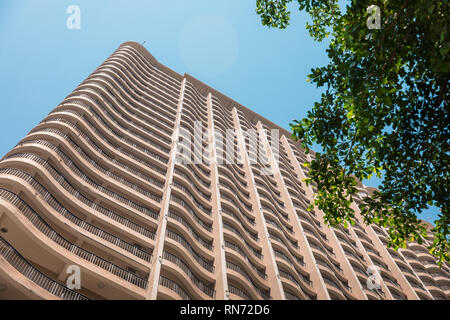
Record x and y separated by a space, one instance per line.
222 43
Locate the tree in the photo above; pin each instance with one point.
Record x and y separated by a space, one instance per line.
384 111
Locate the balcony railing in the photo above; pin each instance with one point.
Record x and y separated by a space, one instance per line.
24 267
189 180
172 285
189 195
192 212
287 259
100 135
264 294
52 202
234 247
235 217
288 276
181 220
208 265
113 132
235 231
208 289
227 198
104 155
238 292
131 132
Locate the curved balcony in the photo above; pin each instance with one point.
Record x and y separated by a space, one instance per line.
51 234
267 178
207 289
68 166
192 180
173 286
281 236
207 244
335 291
195 94
199 105
264 294
234 190
57 121
256 252
88 104
127 76
90 147
89 206
219 111
286 258
282 240
137 111
246 221
288 233
101 89
230 193
134 93
207 225
228 197
301 205
293 284
313 228
190 124
19 263
320 247
271 213
267 203
225 172
129 206
198 178
290 296
236 248
233 221
208 265
163 81
157 81
238 220
90 165
197 201
189 105
201 248
229 157
116 99
239 293
330 267
221 124
298 268
71 218
319 235
143 84
205 180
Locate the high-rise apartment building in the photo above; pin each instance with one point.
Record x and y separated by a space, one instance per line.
146 184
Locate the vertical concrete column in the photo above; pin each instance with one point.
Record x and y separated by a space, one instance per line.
220 271
157 258
273 274
311 266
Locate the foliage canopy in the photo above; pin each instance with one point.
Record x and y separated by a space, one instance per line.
384 111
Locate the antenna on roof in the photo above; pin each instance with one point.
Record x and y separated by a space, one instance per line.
143 43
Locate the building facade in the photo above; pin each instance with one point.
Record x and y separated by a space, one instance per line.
117 194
